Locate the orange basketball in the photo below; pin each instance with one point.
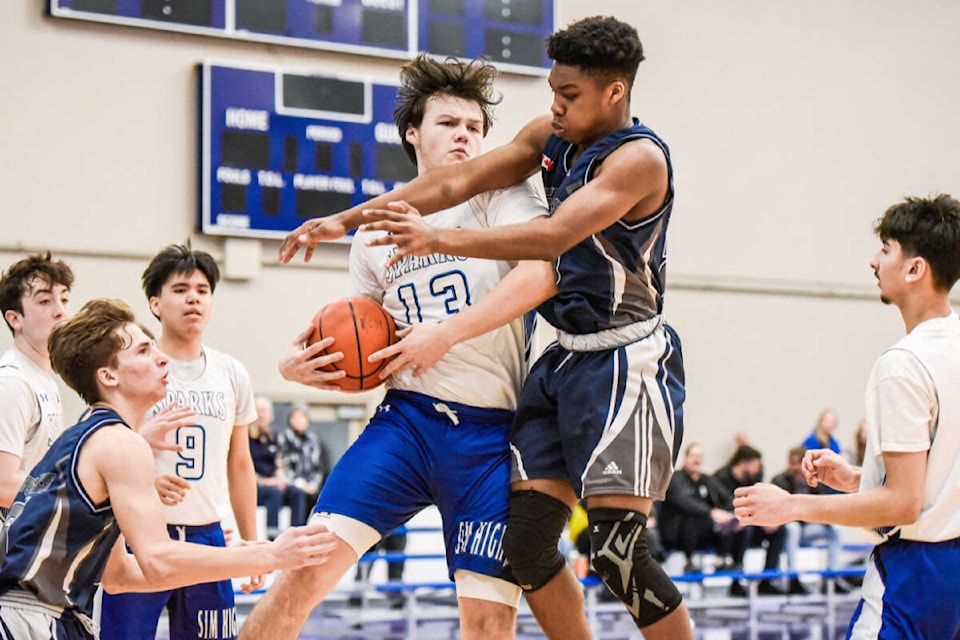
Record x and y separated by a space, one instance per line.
359 327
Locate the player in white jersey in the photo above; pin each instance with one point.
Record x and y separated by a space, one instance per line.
907 494
34 296
441 437
213 461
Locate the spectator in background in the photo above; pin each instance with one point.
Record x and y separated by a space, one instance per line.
302 455
744 469
273 491
822 435
697 514
859 450
792 481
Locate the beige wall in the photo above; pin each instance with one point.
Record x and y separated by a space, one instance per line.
792 126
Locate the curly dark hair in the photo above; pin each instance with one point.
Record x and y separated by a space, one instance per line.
928 228
178 258
89 340
19 279
602 46
425 77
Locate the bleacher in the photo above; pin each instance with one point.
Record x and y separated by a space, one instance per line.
429 605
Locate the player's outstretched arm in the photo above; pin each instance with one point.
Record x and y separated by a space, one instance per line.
434 190
117 464
422 345
633 179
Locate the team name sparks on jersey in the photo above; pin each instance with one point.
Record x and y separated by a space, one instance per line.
409 264
204 403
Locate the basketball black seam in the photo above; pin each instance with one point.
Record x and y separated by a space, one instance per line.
356 336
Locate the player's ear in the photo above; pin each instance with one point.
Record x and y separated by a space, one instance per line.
106 377
617 91
14 319
155 305
918 268
412 135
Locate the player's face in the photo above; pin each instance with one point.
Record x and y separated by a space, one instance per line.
451 132
582 108
185 303
891 269
44 305
141 369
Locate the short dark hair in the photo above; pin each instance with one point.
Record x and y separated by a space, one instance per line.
89 340
744 453
797 452
178 258
928 228
17 280
602 46
425 77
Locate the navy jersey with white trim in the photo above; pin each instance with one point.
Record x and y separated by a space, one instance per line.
55 541
616 277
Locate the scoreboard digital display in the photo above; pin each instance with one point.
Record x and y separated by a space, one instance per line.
509 32
279 146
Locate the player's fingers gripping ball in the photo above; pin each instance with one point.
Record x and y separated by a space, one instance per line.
359 327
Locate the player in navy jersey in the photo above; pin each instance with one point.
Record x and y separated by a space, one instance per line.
600 416
96 482
210 473
907 494
439 438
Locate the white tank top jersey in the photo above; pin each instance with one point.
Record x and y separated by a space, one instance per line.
913 404
31 412
222 397
488 370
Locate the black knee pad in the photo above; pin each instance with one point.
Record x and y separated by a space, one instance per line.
530 541
619 553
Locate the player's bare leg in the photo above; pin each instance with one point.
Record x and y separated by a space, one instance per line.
283 610
486 620
675 625
558 605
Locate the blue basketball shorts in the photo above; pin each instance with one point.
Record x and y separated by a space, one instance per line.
609 420
418 451
198 611
910 592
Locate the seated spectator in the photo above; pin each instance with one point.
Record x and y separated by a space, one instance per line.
856 455
743 470
805 533
697 514
302 454
273 492
822 435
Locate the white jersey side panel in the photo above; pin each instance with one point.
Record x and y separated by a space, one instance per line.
31 412
222 398
488 370
913 404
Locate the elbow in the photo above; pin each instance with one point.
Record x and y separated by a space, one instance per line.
157 572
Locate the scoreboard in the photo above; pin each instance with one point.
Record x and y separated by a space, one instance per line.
510 32
279 146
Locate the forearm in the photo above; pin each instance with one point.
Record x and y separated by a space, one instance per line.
521 290
537 239
181 564
879 507
242 483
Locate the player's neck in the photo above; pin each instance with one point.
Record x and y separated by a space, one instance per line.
130 411
35 355
916 312
181 347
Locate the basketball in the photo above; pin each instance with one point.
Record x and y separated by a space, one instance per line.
359 327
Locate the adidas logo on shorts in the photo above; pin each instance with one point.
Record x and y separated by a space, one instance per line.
612 469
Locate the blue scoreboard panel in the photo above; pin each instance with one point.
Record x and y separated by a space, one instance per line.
509 32
280 146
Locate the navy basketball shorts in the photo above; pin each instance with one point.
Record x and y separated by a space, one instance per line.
419 451
910 592
609 420
198 611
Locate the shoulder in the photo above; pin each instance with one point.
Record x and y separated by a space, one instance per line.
226 362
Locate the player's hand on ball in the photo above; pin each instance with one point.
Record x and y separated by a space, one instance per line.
420 347
762 505
408 231
308 235
303 363
302 546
